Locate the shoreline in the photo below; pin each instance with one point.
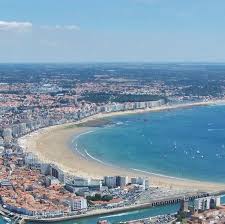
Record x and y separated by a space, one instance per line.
51 144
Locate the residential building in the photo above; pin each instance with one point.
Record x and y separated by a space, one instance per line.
110 181
78 204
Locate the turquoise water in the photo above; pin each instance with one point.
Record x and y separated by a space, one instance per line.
187 143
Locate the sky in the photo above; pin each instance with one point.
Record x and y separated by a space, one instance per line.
112 30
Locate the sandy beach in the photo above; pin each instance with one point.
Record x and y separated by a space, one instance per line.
52 145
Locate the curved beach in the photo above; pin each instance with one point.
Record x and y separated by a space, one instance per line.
52 144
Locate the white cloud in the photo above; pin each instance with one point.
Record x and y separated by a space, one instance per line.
15 26
62 27
72 27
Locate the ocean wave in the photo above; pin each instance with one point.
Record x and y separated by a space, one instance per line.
74 141
157 174
84 133
98 160
88 155
216 129
81 154
109 125
119 123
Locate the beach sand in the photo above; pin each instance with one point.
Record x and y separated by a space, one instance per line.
52 145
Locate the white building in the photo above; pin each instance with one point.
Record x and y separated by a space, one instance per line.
22 128
15 130
146 184
78 204
206 203
80 182
1 150
133 180
1 141
32 160
110 181
137 180
94 184
51 181
141 181
7 134
142 105
57 173
121 181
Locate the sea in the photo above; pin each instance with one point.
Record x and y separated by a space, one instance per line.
184 143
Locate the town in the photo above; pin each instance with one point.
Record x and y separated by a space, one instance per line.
38 190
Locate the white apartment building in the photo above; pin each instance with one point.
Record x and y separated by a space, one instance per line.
110 181
78 204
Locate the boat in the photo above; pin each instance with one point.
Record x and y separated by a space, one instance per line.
175 144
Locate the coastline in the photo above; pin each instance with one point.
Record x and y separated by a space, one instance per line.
51 145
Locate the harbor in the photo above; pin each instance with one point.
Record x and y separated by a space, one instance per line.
121 217
155 208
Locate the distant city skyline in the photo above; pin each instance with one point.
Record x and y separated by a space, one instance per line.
112 31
